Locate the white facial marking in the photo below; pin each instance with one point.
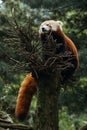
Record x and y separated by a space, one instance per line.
54 28
44 28
40 30
47 28
50 25
60 24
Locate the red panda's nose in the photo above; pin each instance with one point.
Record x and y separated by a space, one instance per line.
43 29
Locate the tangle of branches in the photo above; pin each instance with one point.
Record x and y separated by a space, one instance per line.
28 53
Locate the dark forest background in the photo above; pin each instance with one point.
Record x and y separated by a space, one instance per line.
73 100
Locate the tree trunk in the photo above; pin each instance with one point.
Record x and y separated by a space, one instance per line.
47 104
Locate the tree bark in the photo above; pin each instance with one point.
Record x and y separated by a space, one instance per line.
47 104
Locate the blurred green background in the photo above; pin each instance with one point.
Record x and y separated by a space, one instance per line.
73 100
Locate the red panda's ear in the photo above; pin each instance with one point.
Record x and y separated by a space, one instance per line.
60 23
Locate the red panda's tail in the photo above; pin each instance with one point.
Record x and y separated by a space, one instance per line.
26 91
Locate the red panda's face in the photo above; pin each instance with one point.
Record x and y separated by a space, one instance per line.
49 26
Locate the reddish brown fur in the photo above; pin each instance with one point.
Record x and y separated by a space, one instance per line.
26 91
69 44
28 86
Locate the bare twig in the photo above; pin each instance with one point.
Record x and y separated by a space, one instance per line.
33 55
15 126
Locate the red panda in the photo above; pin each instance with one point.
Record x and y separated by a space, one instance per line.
26 91
28 86
54 28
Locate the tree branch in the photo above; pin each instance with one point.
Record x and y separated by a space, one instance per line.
7 124
33 55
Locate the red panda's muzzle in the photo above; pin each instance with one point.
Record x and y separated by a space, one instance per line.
44 30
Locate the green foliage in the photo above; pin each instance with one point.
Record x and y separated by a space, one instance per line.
74 15
56 4
66 121
83 62
71 121
75 98
9 92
